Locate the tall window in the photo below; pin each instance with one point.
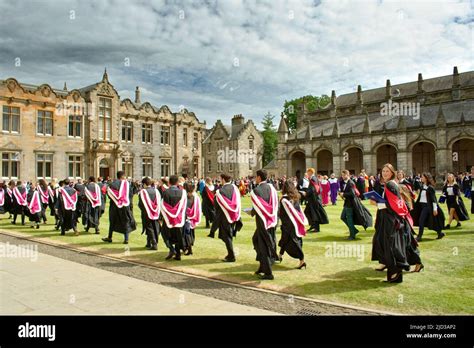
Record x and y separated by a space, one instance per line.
196 141
209 148
209 167
75 122
127 131
251 142
147 164
10 165
75 166
44 165
127 166
220 167
11 119
147 133
165 167
185 137
45 122
165 135
105 118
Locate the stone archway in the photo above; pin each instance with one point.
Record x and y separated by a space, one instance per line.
423 158
104 168
298 163
386 154
353 160
463 155
324 164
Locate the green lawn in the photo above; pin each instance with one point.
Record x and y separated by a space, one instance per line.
446 286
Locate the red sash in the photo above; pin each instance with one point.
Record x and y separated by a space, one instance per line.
174 216
69 201
231 208
268 211
152 208
95 197
35 205
398 205
193 214
20 197
210 194
298 219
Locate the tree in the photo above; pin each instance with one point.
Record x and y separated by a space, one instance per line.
270 139
292 107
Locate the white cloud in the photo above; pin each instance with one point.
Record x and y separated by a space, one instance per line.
285 49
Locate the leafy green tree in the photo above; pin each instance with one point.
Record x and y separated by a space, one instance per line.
313 103
270 139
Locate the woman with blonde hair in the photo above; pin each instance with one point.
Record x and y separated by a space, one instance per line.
457 210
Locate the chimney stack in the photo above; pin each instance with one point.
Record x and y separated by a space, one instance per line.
137 96
388 90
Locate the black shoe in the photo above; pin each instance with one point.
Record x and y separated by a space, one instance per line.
170 255
13 223
177 257
210 235
37 226
440 235
280 258
418 239
447 227
258 272
63 234
301 266
108 240
458 224
125 242
350 238
267 276
148 246
381 269
154 247
397 279
86 230
97 232
229 260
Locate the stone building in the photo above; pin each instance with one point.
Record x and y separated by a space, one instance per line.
235 149
76 133
423 125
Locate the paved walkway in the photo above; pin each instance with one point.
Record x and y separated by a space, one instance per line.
36 283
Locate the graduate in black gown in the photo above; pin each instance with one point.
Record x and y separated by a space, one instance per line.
228 209
293 222
193 218
427 212
456 209
35 207
389 241
314 209
149 202
121 219
19 203
9 198
92 206
103 191
353 212
471 179
208 208
66 208
265 209
173 209
42 188
52 198
3 195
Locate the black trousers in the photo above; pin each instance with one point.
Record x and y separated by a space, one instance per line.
22 216
229 246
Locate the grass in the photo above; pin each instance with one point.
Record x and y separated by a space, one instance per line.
446 286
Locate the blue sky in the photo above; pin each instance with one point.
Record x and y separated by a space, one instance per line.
220 58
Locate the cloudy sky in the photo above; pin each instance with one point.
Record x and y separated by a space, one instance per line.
220 58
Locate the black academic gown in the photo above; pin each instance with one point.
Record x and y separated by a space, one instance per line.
68 218
150 227
90 215
455 201
17 208
4 207
208 208
289 241
435 223
188 232
103 196
8 205
314 210
81 199
264 240
121 220
389 244
226 230
361 215
173 236
36 217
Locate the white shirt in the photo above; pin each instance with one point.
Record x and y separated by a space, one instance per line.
450 190
423 198
305 183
